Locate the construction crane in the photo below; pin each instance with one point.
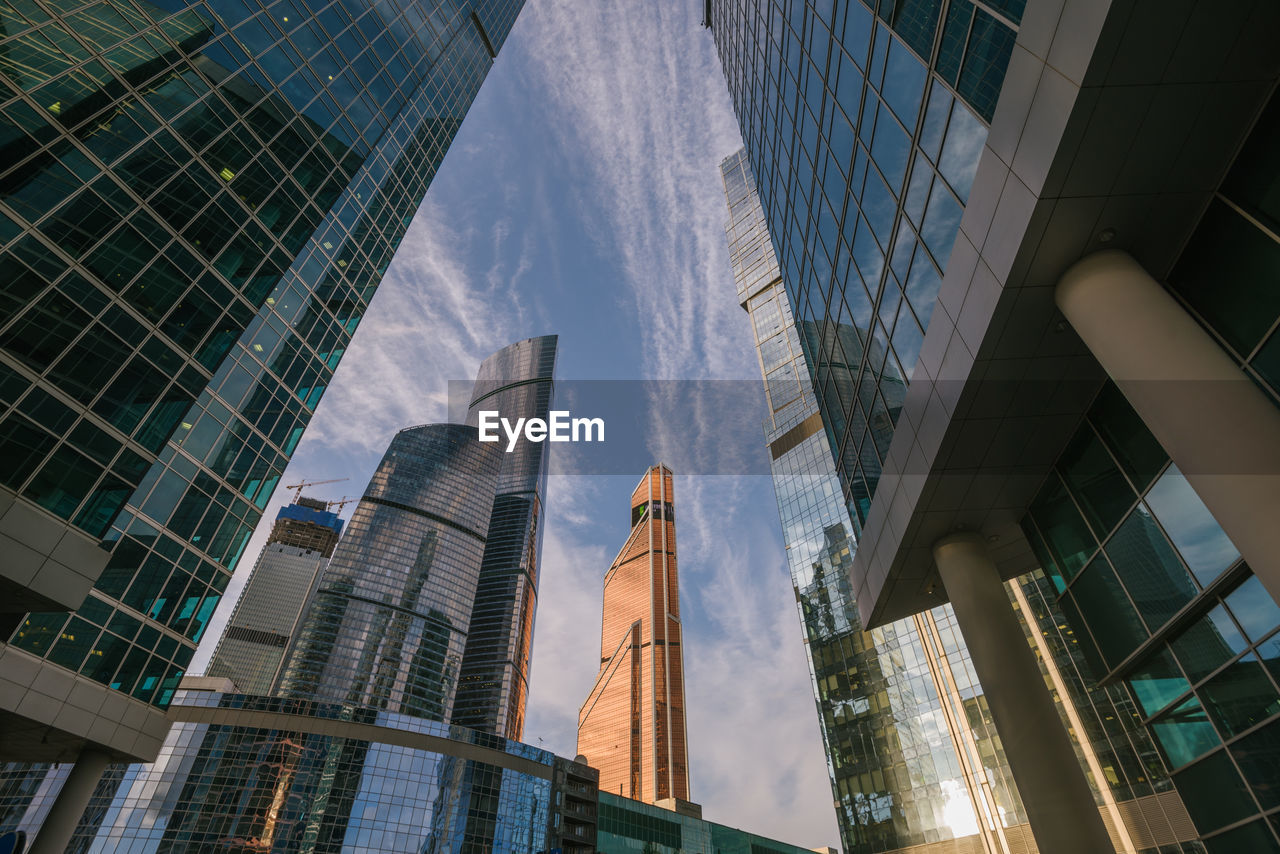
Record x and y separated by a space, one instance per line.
304 484
341 502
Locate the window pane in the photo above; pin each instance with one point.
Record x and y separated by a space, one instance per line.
1065 533
1253 838
1213 792
1156 580
1259 756
1201 542
1240 696
1113 621
1158 683
1095 481
1254 609
1140 455
1185 733
1209 643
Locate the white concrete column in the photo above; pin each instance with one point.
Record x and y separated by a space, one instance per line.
1217 426
1060 806
71 802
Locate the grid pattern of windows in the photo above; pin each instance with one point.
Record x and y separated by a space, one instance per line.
517 381
633 827
236 785
1158 596
864 157
196 205
388 624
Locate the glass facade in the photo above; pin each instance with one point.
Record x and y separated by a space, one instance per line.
272 774
863 124
517 382
632 725
632 827
388 624
197 202
914 756
252 649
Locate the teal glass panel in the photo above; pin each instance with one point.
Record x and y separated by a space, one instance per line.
1095 481
955 34
1254 609
1185 733
1213 792
1078 632
1240 697
1208 644
917 21
1042 554
104 658
1129 440
1158 683
1156 580
1227 274
1258 756
1111 618
1202 544
985 62
1064 531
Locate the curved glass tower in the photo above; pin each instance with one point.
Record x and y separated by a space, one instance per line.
517 382
388 625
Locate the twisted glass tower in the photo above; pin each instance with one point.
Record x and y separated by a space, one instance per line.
516 382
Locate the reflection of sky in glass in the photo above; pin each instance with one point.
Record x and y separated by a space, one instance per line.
1254 608
1185 733
1201 542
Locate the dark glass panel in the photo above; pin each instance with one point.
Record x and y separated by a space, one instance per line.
1096 483
1240 696
1227 274
1253 838
1258 755
23 446
1213 792
37 632
955 34
1254 179
63 482
1112 620
74 643
1208 643
1127 437
985 61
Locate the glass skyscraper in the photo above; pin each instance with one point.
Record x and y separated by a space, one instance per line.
516 382
197 203
1034 307
632 727
253 647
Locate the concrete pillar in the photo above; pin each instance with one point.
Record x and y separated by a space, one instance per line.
1219 428
1064 817
70 804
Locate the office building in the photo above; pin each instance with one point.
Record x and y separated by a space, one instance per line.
632 725
196 207
628 826
1055 223
252 648
913 761
517 382
388 624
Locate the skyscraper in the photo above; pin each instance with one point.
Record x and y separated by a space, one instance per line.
196 208
632 724
913 760
517 382
1021 250
252 649
388 624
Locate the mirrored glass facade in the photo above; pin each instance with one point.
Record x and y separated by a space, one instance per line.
632 827
197 202
246 773
516 382
632 727
914 755
388 624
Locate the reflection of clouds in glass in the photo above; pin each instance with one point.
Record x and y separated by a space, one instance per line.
941 222
957 809
961 150
1254 608
1203 545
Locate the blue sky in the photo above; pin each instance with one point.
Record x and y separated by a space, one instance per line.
582 196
